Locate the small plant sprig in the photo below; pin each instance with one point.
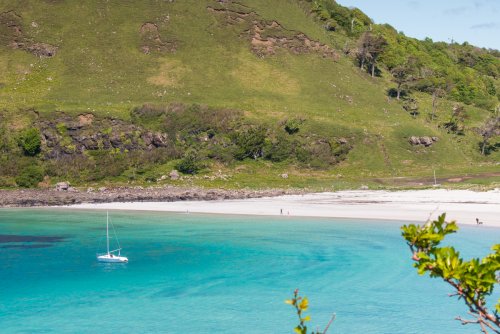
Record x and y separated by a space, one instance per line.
301 304
473 280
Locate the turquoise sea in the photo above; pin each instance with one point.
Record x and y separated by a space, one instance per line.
191 273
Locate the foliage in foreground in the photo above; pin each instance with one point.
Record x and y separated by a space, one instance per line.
473 280
301 304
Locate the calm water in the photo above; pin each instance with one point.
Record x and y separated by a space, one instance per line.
217 274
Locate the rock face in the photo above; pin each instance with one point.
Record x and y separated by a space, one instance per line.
62 186
14 36
267 38
425 140
68 135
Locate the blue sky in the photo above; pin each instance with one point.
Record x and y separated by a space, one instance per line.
474 21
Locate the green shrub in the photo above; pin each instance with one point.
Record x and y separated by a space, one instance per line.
224 154
30 141
250 143
7 182
151 176
278 150
293 125
191 163
30 177
6 143
61 128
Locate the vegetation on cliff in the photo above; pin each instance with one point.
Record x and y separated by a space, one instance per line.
300 93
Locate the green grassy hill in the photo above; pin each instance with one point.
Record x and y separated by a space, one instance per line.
265 63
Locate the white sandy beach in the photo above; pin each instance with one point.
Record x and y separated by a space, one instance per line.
464 206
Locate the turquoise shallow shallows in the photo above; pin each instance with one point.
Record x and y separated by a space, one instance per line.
190 273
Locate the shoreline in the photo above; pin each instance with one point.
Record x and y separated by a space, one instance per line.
50 197
464 206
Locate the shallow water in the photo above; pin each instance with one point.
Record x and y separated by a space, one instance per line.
217 274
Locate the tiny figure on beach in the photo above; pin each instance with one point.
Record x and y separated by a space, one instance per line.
478 222
281 211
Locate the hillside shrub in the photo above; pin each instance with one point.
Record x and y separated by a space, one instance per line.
278 150
30 141
191 163
7 182
6 143
292 126
250 143
30 177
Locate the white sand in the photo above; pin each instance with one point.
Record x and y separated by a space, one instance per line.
464 206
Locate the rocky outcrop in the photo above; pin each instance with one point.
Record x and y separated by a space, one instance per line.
67 135
42 49
14 37
425 140
41 197
151 40
62 186
267 38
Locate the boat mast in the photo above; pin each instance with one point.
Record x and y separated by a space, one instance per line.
107 230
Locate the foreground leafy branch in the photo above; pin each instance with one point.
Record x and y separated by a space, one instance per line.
301 304
472 280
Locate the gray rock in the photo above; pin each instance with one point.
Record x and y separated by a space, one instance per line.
62 186
174 175
159 139
424 140
414 140
42 49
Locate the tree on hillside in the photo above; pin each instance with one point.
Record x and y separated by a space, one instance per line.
456 124
473 280
369 48
489 130
434 84
404 74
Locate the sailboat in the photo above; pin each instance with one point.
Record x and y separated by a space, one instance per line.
109 256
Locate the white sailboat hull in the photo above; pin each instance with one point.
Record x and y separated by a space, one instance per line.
111 258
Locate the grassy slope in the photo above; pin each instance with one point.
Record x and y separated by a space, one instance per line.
100 68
